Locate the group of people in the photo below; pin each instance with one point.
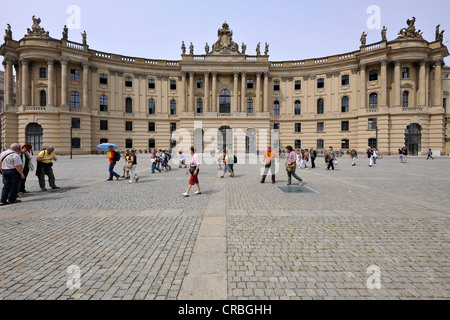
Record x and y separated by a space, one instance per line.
15 165
226 163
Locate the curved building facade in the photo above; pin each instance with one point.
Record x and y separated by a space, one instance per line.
388 95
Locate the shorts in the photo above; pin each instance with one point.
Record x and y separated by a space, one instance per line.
193 180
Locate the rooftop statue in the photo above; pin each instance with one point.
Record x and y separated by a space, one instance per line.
383 34
84 35
363 39
244 48
225 43
36 30
439 34
266 50
8 32
191 49
258 49
410 32
183 48
65 33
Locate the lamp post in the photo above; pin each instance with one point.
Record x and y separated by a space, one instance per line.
71 145
376 137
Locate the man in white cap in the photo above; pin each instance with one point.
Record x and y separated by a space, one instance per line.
11 168
45 162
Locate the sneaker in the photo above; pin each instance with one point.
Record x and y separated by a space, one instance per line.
137 179
117 178
185 195
198 192
3 203
56 188
301 183
222 176
109 180
43 189
17 201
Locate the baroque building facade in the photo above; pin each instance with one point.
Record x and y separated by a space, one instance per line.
388 95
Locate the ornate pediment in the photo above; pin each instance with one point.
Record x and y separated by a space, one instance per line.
36 30
225 43
410 32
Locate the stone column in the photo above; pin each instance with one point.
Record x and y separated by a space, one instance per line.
266 92
258 93
437 96
243 93
422 83
9 82
384 83
235 93
191 92
64 81
25 82
206 106
363 79
85 85
51 83
397 84
183 92
214 92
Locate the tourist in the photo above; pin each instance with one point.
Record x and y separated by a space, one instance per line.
370 156
330 157
45 163
400 153
126 172
11 168
404 153
313 154
305 159
154 160
194 168
375 155
299 159
26 156
133 160
269 163
182 160
430 154
113 157
291 165
353 156
228 163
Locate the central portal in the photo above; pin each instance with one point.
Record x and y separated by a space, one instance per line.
225 139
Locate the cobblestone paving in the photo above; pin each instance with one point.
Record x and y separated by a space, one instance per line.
136 241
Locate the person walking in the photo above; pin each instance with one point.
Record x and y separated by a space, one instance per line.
404 153
182 160
194 168
291 164
113 157
45 163
313 154
353 156
375 155
305 159
126 172
26 156
12 173
154 160
228 163
370 156
269 160
133 160
400 153
430 154
331 156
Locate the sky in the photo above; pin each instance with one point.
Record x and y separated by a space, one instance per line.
294 29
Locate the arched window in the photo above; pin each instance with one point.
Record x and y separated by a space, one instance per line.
103 103
34 134
405 99
43 98
151 106
373 101
320 106
199 106
75 99
225 101
173 107
276 108
297 108
128 105
249 106
345 103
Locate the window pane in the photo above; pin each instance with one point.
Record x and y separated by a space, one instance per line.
298 85
298 108
151 126
76 123
151 84
103 78
345 104
320 106
249 106
151 106
320 83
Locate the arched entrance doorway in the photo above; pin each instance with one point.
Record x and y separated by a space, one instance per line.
413 138
34 136
250 141
224 139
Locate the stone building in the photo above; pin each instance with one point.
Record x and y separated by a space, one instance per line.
388 94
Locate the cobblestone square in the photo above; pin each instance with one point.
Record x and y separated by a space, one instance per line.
239 239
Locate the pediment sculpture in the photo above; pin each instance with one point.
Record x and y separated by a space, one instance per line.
225 43
410 32
36 30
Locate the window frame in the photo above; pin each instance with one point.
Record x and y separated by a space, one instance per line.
276 108
298 127
373 75
345 126
297 108
345 108
372 123
103 105
128 81
151 84
345 80
152 106
42 73
320 107
103 78
151 126
75 123
322 127
129 126
103 125
75 99
320 83
74 74
298 85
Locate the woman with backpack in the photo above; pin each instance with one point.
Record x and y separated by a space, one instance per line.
112 156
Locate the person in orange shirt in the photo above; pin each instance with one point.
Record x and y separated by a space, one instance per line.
269 159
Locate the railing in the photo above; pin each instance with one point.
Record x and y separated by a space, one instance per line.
346 56
32 108
298 63
224 115
151 62
74 45
251 59
322 60
128 60
102 55
199 58
375 46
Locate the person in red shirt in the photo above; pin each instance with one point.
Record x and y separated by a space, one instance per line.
112 164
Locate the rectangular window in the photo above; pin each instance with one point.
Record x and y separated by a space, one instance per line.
74 74
405 73
298 127
199 84
76 143
103 124
42 73
372 123
128 126
298 85
320 127
173 127
345 80
320 144
151 126
444 104
173 84
76 123
276 126
298 144
345 144
345 126
128 82
151 144
151 84
373 75
320 83
276 86
129 143
103 78
249 84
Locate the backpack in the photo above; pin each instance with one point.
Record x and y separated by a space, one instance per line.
235 159
116 156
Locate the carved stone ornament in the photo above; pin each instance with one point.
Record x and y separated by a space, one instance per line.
410 32
36 30
8 32
225 43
